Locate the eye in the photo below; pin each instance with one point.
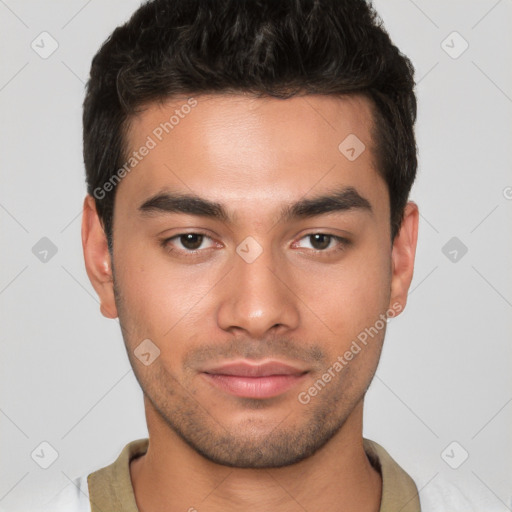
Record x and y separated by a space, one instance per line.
193 243
323 242
189 242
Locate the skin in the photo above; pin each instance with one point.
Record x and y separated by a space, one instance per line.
209 449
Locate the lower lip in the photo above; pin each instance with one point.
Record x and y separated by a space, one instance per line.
254 387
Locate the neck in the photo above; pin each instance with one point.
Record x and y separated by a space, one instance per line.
172 477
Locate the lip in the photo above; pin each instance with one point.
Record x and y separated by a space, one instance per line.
254 380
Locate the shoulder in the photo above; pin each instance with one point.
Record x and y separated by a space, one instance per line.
442 494
73 498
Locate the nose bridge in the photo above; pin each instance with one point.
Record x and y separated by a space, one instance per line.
256 298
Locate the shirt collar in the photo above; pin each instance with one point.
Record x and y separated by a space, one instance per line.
110 488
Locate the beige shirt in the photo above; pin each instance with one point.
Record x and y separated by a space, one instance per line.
110 488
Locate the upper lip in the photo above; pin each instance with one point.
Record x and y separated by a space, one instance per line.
252 369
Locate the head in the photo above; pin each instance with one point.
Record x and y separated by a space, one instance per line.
248 167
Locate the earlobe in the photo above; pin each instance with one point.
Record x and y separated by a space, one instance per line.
97 258
403 254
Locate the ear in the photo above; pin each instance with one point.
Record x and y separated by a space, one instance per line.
97 258
402 256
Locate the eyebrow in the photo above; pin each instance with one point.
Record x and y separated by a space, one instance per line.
344 199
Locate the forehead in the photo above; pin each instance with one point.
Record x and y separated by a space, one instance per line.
252 152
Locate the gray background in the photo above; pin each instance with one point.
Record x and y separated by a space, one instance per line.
445 372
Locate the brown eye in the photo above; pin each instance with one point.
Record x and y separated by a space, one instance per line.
320 241
187 244
191 241
323 243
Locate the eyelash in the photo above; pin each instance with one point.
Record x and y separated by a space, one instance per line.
342 244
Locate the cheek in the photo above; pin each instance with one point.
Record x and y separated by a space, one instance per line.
160 301
350 296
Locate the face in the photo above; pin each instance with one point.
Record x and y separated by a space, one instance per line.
250 252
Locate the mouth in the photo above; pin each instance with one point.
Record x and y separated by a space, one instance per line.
255 380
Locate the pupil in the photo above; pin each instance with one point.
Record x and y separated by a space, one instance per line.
322 238
191 240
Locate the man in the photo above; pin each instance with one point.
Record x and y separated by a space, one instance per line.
247 220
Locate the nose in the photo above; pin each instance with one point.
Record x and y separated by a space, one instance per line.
258 297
